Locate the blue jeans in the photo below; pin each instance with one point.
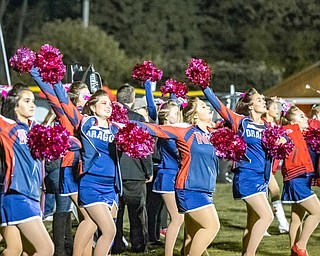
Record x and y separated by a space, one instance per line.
52 178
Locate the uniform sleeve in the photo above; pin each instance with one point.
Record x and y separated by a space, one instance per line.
227 114
152 110
70 110
162 131
52 98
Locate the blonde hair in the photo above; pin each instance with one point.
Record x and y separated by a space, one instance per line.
163 114
74 91
288 117
190 110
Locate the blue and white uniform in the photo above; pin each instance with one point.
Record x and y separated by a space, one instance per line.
251 174
101 179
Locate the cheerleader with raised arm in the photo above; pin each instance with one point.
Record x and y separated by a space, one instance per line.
168 167
251 174
74 101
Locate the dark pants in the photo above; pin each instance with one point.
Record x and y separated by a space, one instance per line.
134 196
154 206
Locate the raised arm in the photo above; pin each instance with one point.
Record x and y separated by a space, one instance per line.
223 111
52 98
71 111
152 110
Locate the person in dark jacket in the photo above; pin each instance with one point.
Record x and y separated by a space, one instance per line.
135 174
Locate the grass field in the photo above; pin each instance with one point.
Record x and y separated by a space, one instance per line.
232 216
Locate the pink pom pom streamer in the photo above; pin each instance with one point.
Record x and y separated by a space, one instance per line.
270 137
23 60
119 113
312 137
199 73
5 89
228 144
50 64
180 89
134 141
49 143
146 71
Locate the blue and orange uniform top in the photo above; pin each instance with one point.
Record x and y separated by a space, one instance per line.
21 172
199 163
70 121
256 157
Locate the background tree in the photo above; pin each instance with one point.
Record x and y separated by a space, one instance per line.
85 46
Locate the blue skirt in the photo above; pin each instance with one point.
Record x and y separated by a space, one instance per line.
247 183
69 185
165 181
18 208
297 190
190 200
94 189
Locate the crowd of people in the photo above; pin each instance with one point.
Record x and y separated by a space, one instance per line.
181 174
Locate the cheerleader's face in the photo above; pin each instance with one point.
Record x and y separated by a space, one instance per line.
25 107
203 112
273 110
258 104
300 119
102 108
173 117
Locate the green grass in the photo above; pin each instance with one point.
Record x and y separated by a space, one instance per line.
232 215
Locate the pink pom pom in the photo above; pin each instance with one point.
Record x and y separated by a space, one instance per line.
134 141
180 89
119 113
146 71
49 143
228 144
270 137
49 62
199 73
23 60
312 137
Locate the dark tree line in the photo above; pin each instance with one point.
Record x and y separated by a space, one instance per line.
246 42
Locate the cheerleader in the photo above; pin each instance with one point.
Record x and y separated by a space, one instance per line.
271 117
62 104
168 167
196 178
100 182
23 175
297 171
251 174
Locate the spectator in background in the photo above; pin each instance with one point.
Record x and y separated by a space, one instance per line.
135 174
140 106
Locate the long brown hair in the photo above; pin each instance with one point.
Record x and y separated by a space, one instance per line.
245 102
10 103
92 101
287 118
